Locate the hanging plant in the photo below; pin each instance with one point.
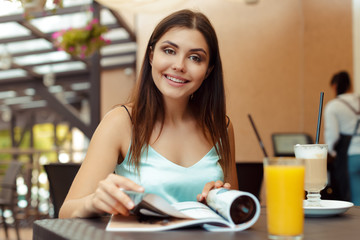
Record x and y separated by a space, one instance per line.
31 6
39 5
81 42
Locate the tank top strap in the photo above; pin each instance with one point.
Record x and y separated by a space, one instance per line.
127 112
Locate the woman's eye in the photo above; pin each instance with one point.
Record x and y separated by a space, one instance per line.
169 51
195 58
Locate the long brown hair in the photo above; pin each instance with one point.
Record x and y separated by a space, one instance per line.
207 103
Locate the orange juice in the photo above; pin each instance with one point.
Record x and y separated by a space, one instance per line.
284 196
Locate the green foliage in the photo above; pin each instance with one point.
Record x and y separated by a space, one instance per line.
81 42
43 140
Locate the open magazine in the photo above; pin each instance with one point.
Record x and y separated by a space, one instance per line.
226 210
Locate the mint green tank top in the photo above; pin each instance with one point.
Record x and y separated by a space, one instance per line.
173 182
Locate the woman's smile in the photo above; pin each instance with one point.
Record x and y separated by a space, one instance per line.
177 80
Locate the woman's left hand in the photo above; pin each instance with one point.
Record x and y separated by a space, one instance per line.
211 185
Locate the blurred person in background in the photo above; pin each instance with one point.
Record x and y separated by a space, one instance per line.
342 120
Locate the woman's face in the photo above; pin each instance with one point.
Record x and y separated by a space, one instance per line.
180 62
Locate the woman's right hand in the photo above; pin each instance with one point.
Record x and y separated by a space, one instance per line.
209 186
109 196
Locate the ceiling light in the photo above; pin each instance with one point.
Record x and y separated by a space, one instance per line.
56 89
5 60
29 92
49 79
17 100
128 59
80 86
6 114
7 94
12 73
69 94
34 104
61 67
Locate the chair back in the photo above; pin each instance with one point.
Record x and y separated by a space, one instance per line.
60 176
250 177
283 143
8 183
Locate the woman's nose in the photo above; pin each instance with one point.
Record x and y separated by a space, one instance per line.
179 65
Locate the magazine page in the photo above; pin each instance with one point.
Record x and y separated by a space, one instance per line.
153 205
132 223
241 209
196 210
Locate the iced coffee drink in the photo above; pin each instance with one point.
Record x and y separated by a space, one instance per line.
315 156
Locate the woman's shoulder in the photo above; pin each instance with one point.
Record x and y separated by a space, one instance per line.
118 118
119 113
115 129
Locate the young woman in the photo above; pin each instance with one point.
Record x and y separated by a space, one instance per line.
173 138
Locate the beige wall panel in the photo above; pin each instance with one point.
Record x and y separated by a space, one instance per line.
327 49
260 47
116 86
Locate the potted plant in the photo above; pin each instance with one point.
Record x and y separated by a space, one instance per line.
81 42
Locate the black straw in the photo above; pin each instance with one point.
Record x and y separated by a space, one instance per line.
319 118
258 136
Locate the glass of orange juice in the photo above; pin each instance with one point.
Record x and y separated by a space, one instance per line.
284 182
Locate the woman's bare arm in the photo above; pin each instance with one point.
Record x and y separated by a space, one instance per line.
233 180
95 189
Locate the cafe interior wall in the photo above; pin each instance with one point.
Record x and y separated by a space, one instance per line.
116 86
277 57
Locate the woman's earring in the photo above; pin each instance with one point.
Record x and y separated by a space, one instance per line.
151 55
191 96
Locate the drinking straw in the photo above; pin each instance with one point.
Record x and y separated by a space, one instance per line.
258 136
319 117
